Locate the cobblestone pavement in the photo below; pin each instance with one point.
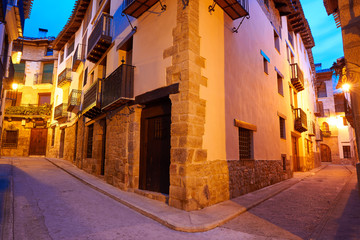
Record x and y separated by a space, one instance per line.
50 204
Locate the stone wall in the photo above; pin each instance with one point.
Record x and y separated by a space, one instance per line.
248 176
69 144
80 142
53 151
22 148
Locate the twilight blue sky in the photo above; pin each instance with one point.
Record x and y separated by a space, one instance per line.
48 14
328 43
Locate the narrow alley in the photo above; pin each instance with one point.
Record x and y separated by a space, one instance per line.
49 203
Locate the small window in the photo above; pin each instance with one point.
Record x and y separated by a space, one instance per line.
49 52
321 90
277 41
52 136
280 85
61 57
283 159
245 143
291 39
282 128
346 151
85 76
11 138
70 48
266 66
19 73
92 78
90 141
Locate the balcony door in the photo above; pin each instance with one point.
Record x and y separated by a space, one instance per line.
155 147
38 139
62 143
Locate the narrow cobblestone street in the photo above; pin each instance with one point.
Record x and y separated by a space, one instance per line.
51 204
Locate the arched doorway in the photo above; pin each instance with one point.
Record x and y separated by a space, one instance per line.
325 153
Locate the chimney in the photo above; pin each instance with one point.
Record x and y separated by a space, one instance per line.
42 32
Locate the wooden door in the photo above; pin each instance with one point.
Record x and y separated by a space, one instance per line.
296 162
325 152
155 147
38 139
62 142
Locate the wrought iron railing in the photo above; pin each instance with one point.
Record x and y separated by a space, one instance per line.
60 111
119 84
102 28
79 56
74 99
93 95
64 77
42 78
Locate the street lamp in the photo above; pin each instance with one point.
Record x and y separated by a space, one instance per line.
14 86
345 87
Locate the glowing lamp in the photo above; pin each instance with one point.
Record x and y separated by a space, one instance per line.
14 86
345 87
16 57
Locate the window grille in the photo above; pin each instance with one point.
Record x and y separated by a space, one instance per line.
282 128
245 143
11 138
90 141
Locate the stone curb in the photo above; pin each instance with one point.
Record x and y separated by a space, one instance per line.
176 219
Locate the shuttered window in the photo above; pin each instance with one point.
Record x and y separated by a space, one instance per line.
11 138
19 74
47 73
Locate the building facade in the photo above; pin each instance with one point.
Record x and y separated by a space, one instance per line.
27 105
337 145
347 16
179 103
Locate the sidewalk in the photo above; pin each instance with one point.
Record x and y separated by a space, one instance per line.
194 221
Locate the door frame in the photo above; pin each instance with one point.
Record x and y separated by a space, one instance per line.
31 137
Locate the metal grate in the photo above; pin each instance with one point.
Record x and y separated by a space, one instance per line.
90 141
245 143
347 152
282 128
11 138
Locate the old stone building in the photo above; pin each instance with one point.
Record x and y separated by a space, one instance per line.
337 145
191 101
12 20
347 16
27 105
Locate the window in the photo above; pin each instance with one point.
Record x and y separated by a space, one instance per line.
245 143
277 41
266 66
283 159
280 85
61 57
49 52
282 128
346 151
321 90
19 74
325 126
70 48
291 39
11 138
90 141
85 76
44 98
47 75
92 77
52 136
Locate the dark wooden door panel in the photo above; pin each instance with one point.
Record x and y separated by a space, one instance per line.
62 142
38 141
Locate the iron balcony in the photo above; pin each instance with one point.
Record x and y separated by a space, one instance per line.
60 112
74 101
297 77
64 77
118 87
100 38
300 120
92 100
78 57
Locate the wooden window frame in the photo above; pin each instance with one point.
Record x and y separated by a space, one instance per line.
282 128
